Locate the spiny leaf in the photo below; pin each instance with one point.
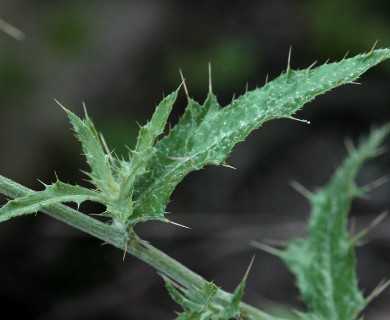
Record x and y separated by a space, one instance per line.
53 194
99 162
205 304
233 310
325 263
144 148
120 211
155 127
207 133
195 301
200 304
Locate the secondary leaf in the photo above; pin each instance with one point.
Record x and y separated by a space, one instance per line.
325 263
207 133
155 127
99 162
144 149
53 194
204 304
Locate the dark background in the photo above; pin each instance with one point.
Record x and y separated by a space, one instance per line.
120 57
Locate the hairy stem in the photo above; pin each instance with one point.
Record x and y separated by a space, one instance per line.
134 246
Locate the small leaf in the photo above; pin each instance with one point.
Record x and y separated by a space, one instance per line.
120 211
207 133
99 162
197 303
144 149
53 194
234 307
205 303
155 127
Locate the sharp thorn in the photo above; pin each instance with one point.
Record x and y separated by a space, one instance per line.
11 30
378 290
377 183
59 103
104 143
249 267
372 49
266 248
288 62
125 250
85 109
185 86
276 243
210 80
363 233
300 189
178 224
44 184
312 65
300 120
223 164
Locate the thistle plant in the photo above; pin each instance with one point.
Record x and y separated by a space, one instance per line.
137 189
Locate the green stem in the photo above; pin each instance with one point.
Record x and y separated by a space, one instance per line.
136 247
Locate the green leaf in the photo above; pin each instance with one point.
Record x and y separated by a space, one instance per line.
144 149
120 211
207 133
53 194
195 301
233 310
155 127
101 174
325 263
205 303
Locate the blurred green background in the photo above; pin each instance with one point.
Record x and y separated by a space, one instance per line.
120 58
